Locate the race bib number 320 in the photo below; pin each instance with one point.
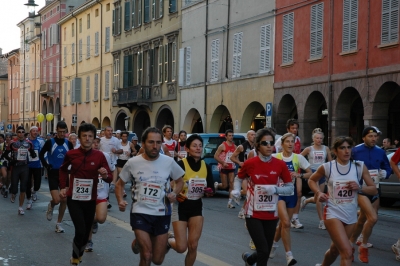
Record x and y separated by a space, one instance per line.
150 193
82 189
262 201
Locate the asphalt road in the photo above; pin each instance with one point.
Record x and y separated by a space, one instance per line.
30 240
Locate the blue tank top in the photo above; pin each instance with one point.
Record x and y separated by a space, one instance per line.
37 146
57 154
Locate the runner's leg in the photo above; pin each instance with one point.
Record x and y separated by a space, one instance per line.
195 227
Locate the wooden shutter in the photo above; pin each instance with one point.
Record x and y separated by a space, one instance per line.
96 46
107 84
390 21
127 24
265 44
316 30
288 25
188 65
88 47
350 25
96 87
87 88
107 44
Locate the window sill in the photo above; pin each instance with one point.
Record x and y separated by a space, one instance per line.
147 24
106 98
87 58
87 101
315 59
388 45
347 53
157 20
285 65
96 55
96 100
173 15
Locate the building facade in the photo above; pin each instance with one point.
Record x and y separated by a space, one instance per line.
337 67
13 94
146 37
4 87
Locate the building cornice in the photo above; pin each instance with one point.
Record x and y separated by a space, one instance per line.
51 5
78 11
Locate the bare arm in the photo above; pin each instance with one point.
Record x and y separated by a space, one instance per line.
119 187
235 155
313 184
166 151
395 168
251 154
305 152
220 149
369 187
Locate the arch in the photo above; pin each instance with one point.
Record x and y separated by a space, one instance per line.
13 128
120 121
106 122
164 117
26 127
253 117
221 120
96 122
349 114
314 118
141 121
287 109
193 122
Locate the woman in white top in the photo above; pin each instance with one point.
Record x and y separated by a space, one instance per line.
317 154
344 177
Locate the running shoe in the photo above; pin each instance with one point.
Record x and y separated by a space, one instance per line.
363 254
59 229
34 196
124 196
251 244
216 186
89 246
303 203
360 240
95 227
12 199
230 205
245 256
29 205
49 212
21 211
236 200
290 260
273 251
295 223
74 261
135 246
241 214
321 225
109 206
170 235
396 251
5 194
112 188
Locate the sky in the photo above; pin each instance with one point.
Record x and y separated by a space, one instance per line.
11 13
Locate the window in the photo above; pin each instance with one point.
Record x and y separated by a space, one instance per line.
116 73
65 93
139 68
188 66
72 91
87 47
157 9
88 21
173 6
127 22
317 24
65 56
390 21
128 71
107 85
96 87
73 29
237 54
21 104
160 64
116 22
350 25
136 9
173 61
44 73
214 60
96 12
80 25
146 18
44 39
287 43
107 44
87 89
32 102
73 53
96 44
80 50
58 70
54 34
108 7
51 72
65 34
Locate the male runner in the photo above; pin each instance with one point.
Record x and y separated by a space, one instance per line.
152 197
180 146
226 166
378 166
169 142
394 164
56 149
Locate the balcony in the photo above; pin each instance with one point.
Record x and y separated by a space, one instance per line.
48 89
139 95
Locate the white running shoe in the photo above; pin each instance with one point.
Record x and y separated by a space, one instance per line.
396 251
216 186
241 214
290 260
29 205
89 246
21 211
34 196
273 251
49 212
59 229
295 223
230 205
303 203
321 225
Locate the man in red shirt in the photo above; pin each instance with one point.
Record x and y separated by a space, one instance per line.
393 163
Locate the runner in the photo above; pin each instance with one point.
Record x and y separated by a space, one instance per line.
73 138
127 148
226 166
176 137
35 168
378 165
344 179
112 146
187 212
317 155
17 155
101 201
134 141
56 148
151 208
264 173
180 147
394 164
292 126
5 167
81 189
169 142
286 204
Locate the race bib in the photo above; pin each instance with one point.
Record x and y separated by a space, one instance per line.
228 157
100 185
319 157
172 153
21 154
150 193
342 194
262 201
82 189
34 159
182 154
196 188
375 176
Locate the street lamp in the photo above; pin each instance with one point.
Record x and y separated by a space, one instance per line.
31 7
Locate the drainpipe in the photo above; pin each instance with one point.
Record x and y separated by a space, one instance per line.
76 62
330 66
101 58
206 73
227 39
23 96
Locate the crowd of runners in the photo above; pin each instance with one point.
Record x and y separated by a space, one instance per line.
169 178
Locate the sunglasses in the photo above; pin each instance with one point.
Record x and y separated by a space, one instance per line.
266 143
20 131
317 130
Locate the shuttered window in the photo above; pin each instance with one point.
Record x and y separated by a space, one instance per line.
80 50
127 22
107 85
107 44
188 65
316 33
287 44
214 60
160 64
237 54
136 13
87 47
128 71
65 56
265 48
96 44
96 87
65 93
173 6
73 53
350 25
146 17
116 21
87 89
390 21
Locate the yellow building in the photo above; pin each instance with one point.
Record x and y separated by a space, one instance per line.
146 37
4 106
86 64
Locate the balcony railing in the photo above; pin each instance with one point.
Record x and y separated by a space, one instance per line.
49 88
136 94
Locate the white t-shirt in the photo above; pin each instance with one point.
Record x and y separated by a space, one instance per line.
151 183
303 163
107 144
103 187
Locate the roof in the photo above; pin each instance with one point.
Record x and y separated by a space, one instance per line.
78 10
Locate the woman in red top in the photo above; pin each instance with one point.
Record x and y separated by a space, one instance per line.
81 192
263 173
